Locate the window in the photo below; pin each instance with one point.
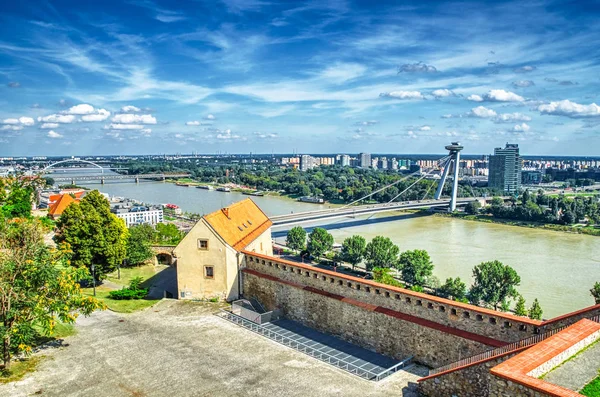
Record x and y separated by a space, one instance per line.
442 309
209 272
479 317
203 244
453 312
466 315
492 320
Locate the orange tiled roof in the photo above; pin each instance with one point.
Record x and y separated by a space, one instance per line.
239 224
59 206
517 368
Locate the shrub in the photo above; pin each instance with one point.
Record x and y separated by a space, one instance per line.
133 291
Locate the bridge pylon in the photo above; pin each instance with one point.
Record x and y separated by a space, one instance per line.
454 163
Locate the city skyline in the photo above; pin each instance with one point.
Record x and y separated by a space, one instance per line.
333 77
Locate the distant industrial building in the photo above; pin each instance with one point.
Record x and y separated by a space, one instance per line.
345 160
505 169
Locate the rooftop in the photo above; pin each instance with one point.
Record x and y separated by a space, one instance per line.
239 224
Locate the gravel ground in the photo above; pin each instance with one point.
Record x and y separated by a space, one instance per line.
576 373
181 349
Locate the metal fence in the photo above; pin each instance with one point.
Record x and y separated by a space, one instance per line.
309 350
527 342
245 309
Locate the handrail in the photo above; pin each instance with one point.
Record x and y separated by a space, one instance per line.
527 342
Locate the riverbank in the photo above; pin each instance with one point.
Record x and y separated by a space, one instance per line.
589 230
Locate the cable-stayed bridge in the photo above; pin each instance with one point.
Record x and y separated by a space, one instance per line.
353 209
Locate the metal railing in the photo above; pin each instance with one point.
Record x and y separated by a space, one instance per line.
311 351
245 309
527 342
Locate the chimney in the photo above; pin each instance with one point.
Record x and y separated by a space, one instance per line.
226 212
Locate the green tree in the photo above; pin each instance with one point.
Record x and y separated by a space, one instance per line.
595 291
416 266
520 309
454 288
138 244
381 252
384 275
319 242
16 196
95 235
167 233
296 238
494 283
353 249
473 207
535 311
37 288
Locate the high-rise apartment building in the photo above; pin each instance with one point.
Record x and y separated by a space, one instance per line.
345 160
505 169
365 160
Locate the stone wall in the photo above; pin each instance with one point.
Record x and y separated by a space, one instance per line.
502 327
359 324
473 380
500 387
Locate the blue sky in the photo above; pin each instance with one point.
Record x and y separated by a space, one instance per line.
235 76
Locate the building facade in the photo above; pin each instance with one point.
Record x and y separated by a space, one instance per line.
505 169
365 160
139 215
209 257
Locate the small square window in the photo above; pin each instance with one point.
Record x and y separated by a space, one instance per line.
407 300
430 305
479 317
442 309
492 320
466 315
453 312
387 294
203 244
419 302
209 272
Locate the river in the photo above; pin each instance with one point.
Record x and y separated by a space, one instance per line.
557 268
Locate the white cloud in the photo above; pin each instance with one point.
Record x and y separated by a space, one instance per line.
50 125
128 118
58 118
525 69
130 109
146 132
81 109
503 96
402 95
475 98
482 112
54 135
442 93
100 115
227 135
262 135
521 127
117 126
11 127
367 123
447 116
511 117
570 109
418 67
342 72
193 123
523 83
210 117
425 128
23 121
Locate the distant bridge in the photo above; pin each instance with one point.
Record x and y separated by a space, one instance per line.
351 212
103 178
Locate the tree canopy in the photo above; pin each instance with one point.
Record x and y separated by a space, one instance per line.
296 238
520 309
595 291
454 288
16 196
353 249
138 244
95 235
535 312
416 267
494 283
381 252
37 287
319 242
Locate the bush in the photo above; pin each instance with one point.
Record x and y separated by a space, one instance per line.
133 291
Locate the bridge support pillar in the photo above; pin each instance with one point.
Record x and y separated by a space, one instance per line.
72 181
102 181
454 153
137 180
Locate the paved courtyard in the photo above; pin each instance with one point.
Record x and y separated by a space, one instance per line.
181 349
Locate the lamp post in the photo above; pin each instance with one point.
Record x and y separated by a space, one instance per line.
94 278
